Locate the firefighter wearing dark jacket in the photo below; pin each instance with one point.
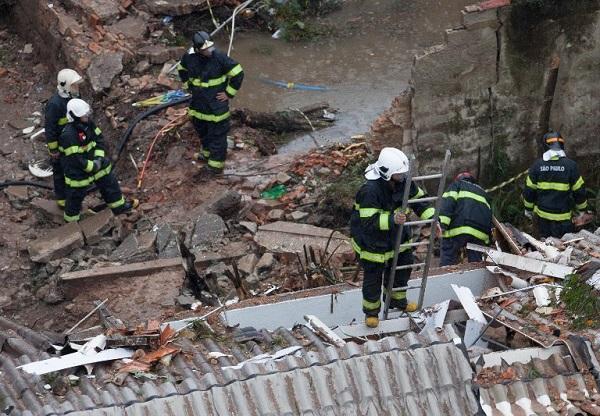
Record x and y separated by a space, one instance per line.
84 163
68 82
213 79
554 190
465 217
374 223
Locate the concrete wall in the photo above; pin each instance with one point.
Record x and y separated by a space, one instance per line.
481 92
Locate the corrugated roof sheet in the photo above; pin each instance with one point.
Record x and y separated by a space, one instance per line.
412 374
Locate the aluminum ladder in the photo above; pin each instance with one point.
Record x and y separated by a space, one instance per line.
434 221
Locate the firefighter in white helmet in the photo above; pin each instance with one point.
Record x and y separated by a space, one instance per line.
84 162
375 218
67 85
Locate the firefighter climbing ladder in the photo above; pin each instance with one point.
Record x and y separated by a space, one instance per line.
434 221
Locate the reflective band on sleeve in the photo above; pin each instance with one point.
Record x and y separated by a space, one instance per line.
89 166
445 220
208 117
216 164
206 153
582 206
420 193
71 218
369 256
63 121
197 82
235 70
97 131
60 203
117 203
181 67
428 213
466 194
231 91
367 212
553 186
467 230
529 183
52 145
102 173
371 306
528 205
578 184
384 221
551 216
99 153
71 150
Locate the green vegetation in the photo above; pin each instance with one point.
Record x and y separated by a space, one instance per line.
582 302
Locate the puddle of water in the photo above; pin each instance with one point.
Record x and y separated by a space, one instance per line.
365 67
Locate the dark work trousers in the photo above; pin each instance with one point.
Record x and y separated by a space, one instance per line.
450 249
58 176
547 228
377 273
109 189
214 140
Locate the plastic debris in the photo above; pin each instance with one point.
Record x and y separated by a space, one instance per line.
274 192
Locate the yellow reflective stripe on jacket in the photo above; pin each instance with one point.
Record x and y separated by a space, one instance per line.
235 70
466 194
197 82
367 212
231 91
71 218
398 294
208 117
528 205
371 305
467 230
420 193
578 184
97 131
78 183
89 166
117 203
582 206
71 150
553 186
428 213
52 145
63 121
216 164
181 67
552 217
384 221
445 220
529 183
99 153
102 173
370 256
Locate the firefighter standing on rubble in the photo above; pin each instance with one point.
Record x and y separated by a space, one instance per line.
213 79
373 224
84 163
554 189
68 82
465 217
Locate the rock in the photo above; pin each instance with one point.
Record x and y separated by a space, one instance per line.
49 209
323 171
132 27
247 263
50 293
56 243
158 54
223 282
250 226
252 279
136 248
28 49
262 206
185 300
299 215
78 255
104 247
276 214
175 156
146 241
266 262
17 195
175 7
166 242
105 10
142 66
283 178
103 69
226 205
97 225
208 230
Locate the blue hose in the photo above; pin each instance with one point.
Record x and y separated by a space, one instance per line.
294 85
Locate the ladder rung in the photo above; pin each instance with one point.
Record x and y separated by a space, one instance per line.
418 243
410 266
426 199
406 288
420 222
426 177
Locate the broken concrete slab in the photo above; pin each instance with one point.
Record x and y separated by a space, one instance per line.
208 230
290 237
136 248
299 215
104 9
225 205
103 69
166 242
49 209
96 226
266 262
157 54
176 7
132 27
56 243
247 263
250 226
276 214
17 195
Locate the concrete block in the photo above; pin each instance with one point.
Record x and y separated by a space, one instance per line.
157 54
479 19
57 243
247 263
48 209
208 230
96 226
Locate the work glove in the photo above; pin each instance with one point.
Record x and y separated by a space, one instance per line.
528 214
97 165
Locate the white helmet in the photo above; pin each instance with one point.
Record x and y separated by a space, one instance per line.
390 161
65 79
77 108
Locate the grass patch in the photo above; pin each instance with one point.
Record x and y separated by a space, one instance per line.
582 302
266 50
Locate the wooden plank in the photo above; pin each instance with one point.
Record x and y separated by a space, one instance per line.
232 251
504 233
524 263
